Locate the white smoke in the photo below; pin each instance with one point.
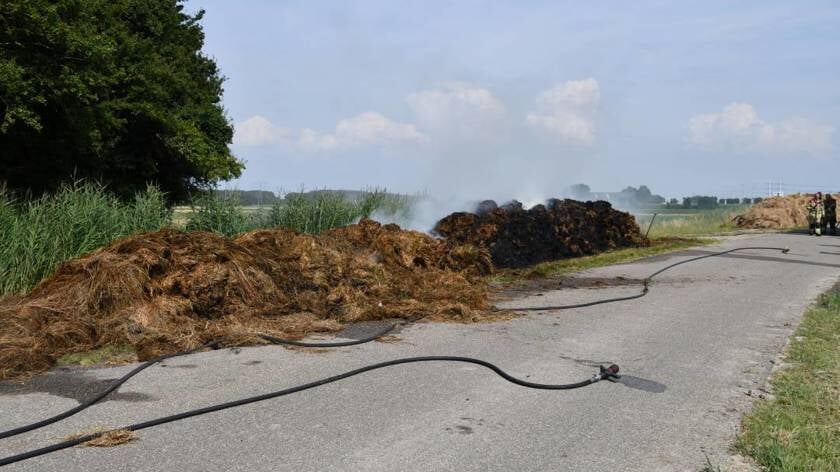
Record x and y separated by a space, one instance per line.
465 145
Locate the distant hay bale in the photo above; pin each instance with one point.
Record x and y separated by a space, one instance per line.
786 212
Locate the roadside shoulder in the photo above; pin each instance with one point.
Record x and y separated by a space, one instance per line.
798 426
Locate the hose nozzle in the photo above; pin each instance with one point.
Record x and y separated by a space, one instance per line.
607 373
785 250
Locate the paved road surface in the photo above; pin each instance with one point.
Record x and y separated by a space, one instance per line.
707 334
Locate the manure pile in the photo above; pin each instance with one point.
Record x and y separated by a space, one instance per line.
168 291
786 212
517 237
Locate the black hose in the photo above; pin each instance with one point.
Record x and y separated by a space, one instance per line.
118 382
605 373
90 402
645 282
652 219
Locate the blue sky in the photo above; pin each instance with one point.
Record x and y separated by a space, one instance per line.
520 99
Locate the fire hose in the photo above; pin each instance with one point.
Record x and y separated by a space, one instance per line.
645 282
605 373
145 365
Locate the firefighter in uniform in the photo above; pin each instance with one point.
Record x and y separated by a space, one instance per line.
830 222
815 214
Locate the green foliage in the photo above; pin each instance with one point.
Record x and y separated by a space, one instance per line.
113 90
219 213
314 212
321 211
639 197
700 202
691 222
312 215
800 428
37 235
103 355
251 197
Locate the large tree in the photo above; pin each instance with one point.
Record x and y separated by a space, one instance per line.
112 90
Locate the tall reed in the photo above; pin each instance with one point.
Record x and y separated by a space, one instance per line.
37 235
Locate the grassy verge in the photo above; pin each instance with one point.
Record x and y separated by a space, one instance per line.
618 256
799 429
107 354
691 223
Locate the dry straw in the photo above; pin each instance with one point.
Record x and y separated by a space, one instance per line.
169 291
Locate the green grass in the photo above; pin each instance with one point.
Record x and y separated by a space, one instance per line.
328 210
618 256
709 467
106 354
799 429
37 235
691 222
221 214
307 214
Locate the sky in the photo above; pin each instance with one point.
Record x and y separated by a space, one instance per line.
519 99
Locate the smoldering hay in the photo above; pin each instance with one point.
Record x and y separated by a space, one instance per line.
170 290
519 237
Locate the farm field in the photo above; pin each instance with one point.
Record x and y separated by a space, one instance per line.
671 222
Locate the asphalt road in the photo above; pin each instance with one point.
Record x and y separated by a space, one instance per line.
694 352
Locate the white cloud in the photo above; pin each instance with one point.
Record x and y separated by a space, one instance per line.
567 111
259 131
366 129
457 109
566 126
311 140
578 93
738 127
448 114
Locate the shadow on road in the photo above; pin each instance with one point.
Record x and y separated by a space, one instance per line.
70 383
639 383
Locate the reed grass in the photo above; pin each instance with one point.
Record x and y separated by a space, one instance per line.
37 235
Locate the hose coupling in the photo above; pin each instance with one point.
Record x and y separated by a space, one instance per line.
607 373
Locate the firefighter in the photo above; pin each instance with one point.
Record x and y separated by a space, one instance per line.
830 206
815 214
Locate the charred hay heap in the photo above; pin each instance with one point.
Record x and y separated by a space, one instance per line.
517 237
168 291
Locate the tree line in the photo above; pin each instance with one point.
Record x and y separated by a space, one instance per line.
116 91
642 197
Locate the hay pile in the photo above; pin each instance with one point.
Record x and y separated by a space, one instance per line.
168 291
517 237
786 212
